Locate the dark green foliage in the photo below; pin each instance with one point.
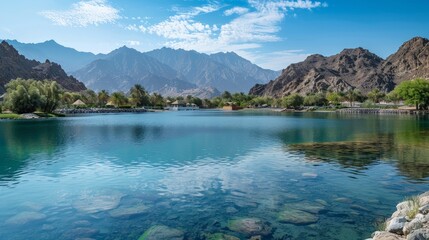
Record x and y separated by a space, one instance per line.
139 96
23 96
293 101
318 99
118 99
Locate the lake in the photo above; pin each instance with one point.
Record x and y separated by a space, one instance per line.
202 174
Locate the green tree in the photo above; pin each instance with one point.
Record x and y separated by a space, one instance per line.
102 98
376 95
334 98
22 96
139 96
227 96
352 96
89 97
293 101
393 96
50 95
156 100
414 92
118 99
317 99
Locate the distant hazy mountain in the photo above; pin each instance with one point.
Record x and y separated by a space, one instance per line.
221 71
69 58
125 67
351 69
163 70
245 67
13 65
201 92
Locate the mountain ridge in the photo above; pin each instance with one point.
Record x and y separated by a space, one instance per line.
14 65
355 68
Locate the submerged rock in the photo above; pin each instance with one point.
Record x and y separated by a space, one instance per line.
220 236
249 226
97 203
25 217
128 211
297 217
79 233
161 232
311 207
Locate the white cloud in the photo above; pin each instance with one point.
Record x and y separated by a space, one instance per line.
236 10
244 34
133 43
84 13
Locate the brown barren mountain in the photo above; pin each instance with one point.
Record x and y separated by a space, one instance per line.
13 65
351 69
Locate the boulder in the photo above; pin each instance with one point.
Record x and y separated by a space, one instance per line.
25 217
128 211
249 226
419 234
297 217
306 206
220 236
161 232
97 203
386 236
424 209
396 225
402 209
416 223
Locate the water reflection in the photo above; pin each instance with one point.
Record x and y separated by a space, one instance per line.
362 141
20 140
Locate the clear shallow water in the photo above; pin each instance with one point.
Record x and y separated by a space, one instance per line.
195 171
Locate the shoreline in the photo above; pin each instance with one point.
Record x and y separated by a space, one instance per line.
410 221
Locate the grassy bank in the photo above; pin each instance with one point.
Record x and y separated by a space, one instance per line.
9 116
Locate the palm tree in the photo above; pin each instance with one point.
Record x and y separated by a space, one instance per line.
139 96
118 99
102 98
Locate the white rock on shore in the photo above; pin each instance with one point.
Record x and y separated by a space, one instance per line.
403 225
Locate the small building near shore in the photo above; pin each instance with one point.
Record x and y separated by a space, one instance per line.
230 106
79 103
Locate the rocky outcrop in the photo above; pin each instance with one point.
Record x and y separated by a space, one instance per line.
351 69
410 221
13 65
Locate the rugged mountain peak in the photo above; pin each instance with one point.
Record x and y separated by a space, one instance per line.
410 61
13 65
353 68
8 50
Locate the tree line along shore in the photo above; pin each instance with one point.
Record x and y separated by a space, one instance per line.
44 97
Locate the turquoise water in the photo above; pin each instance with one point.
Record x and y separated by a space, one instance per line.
115 176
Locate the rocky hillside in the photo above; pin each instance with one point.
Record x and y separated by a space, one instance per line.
13 65
351 69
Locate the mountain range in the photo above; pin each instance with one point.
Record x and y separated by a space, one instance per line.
170 72
13 65
351 69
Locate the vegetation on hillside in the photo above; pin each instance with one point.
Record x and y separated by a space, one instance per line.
26 96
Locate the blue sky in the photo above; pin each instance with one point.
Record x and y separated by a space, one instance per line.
270 33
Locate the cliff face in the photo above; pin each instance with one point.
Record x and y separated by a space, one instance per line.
351 69
13 65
